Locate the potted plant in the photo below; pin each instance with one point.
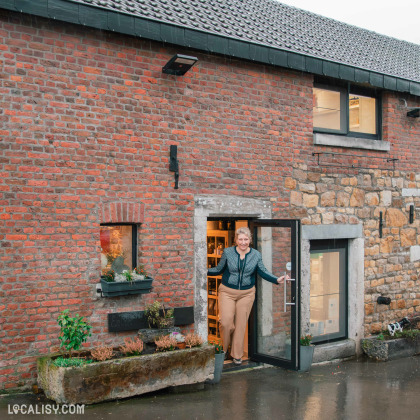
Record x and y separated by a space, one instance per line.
126 283
219 359
158 317
306 353
107 373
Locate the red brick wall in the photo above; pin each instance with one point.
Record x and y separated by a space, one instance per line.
86 119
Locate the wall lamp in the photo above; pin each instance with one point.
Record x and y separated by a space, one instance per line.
413 111
179 64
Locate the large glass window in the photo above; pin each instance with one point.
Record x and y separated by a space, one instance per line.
328 297
347 111
118 247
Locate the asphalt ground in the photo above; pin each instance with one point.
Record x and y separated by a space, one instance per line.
352 389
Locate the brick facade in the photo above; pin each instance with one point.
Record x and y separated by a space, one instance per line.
86 121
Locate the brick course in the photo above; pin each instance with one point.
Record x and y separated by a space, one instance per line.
86 121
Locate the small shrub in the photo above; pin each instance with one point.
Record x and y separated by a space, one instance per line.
154 317
193 340
140 270
74 331
109 276
132 347
305 340
102 353
165 343
74 361
218 348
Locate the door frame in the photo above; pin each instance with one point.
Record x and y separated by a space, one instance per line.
293 363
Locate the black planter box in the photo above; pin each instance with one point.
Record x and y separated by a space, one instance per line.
111 289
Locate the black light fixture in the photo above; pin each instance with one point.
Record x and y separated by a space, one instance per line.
411 213
414 113
179 64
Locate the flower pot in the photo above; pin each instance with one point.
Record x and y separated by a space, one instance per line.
111 289
181 345
219 359
305 357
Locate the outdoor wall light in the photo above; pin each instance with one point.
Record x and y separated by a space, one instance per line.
413 111
179 64
382 300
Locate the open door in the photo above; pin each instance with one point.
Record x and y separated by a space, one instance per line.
274 322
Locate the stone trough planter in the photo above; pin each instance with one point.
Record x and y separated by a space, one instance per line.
125 377
384 350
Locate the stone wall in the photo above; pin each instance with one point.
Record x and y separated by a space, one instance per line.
336 196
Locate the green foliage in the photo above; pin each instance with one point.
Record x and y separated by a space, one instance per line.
154 317
218 348
305 340
74 331
109 276
409 333
140 270
75 361
128 275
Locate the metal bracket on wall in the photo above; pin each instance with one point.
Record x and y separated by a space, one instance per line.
173 163
381 224
353 160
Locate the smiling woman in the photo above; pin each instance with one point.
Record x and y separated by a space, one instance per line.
239 265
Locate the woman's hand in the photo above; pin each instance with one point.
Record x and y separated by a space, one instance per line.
282 278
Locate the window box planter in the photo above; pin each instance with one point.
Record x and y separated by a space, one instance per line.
384 350
125 377
111 289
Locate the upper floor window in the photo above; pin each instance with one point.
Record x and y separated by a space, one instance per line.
118 247
350 111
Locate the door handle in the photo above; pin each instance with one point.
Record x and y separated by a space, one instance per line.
286 303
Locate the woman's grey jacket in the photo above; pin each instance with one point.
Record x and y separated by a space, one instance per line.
241 276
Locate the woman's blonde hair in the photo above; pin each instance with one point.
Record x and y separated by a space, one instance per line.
243 231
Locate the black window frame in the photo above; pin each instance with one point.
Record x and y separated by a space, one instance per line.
134 241
332 245
345 91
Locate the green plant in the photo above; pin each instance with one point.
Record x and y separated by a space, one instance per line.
132 347
165 343
157 316
102 353
74 331
75 361
305 340
140 270
128 275
218 348
109 276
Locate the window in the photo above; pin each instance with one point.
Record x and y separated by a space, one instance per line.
351 111
118 247
328 296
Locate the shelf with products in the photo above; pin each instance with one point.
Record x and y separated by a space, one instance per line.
217 241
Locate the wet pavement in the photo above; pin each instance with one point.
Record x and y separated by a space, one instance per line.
349 390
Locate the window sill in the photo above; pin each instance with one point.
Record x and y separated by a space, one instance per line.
322 139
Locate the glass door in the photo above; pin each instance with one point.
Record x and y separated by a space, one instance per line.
274 326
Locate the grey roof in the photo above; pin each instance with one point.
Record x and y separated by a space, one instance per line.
274 24
261 30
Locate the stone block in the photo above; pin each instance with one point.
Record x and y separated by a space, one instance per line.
395 218
357 199
310 200
328 199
